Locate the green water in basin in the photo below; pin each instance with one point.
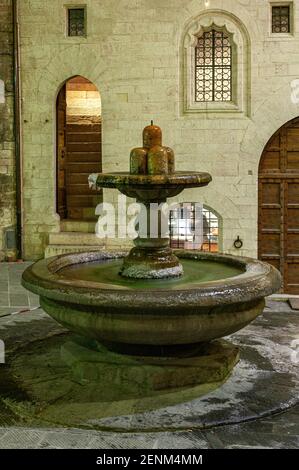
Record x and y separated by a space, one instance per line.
107 272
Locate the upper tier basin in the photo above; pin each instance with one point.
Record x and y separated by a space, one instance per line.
150 187
218 295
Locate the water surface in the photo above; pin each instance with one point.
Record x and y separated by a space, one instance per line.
107 272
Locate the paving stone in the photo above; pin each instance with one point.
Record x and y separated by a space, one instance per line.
18 289
65 440
4 299
19 300
21 439
7 311
234 437
294 303
167 440
278 306
34 300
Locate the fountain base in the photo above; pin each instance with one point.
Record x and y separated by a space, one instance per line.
208 363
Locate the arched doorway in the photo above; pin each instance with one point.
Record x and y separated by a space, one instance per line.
79 148
279 204
182 228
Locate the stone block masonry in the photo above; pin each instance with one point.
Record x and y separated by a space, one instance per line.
7 138
133 53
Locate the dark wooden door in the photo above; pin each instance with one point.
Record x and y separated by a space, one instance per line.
83 148
279 205
61 153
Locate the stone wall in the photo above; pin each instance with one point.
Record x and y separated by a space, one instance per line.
133 53
7 145
83 103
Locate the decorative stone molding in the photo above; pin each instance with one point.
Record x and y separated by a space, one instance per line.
239 38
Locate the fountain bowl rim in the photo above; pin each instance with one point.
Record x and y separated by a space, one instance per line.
258 280
180 178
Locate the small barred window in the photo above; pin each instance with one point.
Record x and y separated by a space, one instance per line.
281 19
213 67
182 223
76 22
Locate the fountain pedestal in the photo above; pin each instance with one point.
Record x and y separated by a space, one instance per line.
152 257
209 364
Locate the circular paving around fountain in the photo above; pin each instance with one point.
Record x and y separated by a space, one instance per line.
38 387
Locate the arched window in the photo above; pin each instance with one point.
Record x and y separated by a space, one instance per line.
182 232
213 67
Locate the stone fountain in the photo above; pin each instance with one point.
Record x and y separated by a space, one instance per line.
152 313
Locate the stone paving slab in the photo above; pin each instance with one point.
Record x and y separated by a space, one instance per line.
12 293
247 436
294 304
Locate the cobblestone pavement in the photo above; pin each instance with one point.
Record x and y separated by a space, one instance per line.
277 431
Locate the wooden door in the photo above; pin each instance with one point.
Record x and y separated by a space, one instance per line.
279 205
83 148
61 154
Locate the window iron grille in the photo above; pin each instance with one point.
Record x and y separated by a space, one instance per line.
213 67
281 19
182 228
76 22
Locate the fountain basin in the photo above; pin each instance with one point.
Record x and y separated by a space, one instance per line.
150 188
152 317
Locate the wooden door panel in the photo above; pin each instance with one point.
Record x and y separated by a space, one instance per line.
292 277
87 128
78 178
83 147
87 168
292 140
293 192
84 156
292 244
293 161
84 137
271 193
292 220
270 245
83 201
79 189
272 162
93 157
271 219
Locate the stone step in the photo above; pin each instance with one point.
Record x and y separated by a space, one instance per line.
75 238
77 226
56 250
